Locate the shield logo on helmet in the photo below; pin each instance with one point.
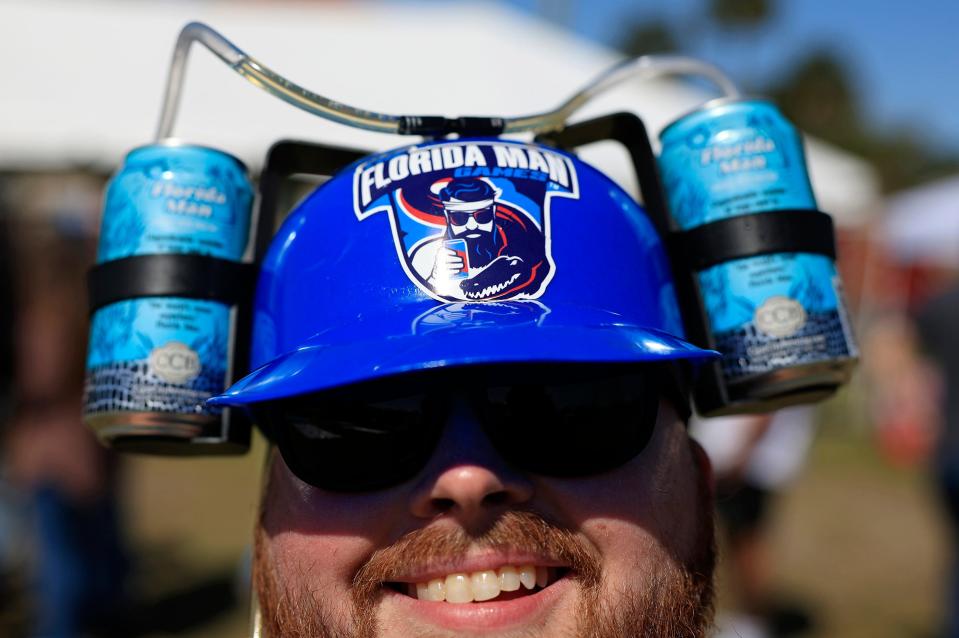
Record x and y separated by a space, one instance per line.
470 220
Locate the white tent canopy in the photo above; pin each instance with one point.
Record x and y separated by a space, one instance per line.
83 80
922 224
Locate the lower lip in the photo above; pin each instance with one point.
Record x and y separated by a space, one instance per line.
490 616
473 235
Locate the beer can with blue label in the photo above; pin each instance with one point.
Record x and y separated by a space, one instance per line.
153 361
779 320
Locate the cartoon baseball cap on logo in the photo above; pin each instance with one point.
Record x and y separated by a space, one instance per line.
470 220
453 253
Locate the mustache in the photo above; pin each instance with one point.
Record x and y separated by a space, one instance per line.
514 530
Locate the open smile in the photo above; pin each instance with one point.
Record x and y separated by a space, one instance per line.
490 595
505 583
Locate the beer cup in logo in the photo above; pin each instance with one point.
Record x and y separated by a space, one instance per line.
458 246
154 360
778 319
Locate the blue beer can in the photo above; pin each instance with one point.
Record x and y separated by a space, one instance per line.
153 361
779 320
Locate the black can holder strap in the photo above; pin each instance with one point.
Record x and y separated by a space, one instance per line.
781 231
170 275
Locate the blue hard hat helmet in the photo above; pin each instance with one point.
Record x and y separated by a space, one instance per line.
456 253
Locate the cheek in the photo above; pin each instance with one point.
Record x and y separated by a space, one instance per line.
318 536
639 514
632 557
308 562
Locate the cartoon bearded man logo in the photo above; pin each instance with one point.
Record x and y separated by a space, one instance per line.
488 251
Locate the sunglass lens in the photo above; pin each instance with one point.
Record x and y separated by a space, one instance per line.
352 446
573 429
484 216
459 218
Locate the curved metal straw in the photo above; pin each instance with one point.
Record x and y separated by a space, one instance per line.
651 66
261 76
274 83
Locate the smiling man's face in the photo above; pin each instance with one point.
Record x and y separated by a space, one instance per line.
474 547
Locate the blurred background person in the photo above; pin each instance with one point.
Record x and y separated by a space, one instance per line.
905 391
937 324
77 577
755 459
10 503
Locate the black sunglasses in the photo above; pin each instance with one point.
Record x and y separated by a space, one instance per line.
482 216
368 438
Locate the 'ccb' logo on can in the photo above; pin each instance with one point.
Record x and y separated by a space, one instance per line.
175 363
780 316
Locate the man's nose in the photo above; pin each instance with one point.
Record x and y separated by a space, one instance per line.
471 223
467 478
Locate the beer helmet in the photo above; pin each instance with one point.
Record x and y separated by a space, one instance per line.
456 253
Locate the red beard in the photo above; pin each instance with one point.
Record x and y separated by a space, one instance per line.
678 604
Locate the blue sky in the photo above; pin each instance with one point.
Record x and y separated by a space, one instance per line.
903 55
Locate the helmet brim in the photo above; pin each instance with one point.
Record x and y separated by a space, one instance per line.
356 353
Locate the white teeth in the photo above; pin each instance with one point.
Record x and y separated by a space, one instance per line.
480 586
436 590
485 585
458 589
527 576
542 577
508 579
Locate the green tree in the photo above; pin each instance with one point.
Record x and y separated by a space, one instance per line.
650 37
734 14
820 97
818 93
